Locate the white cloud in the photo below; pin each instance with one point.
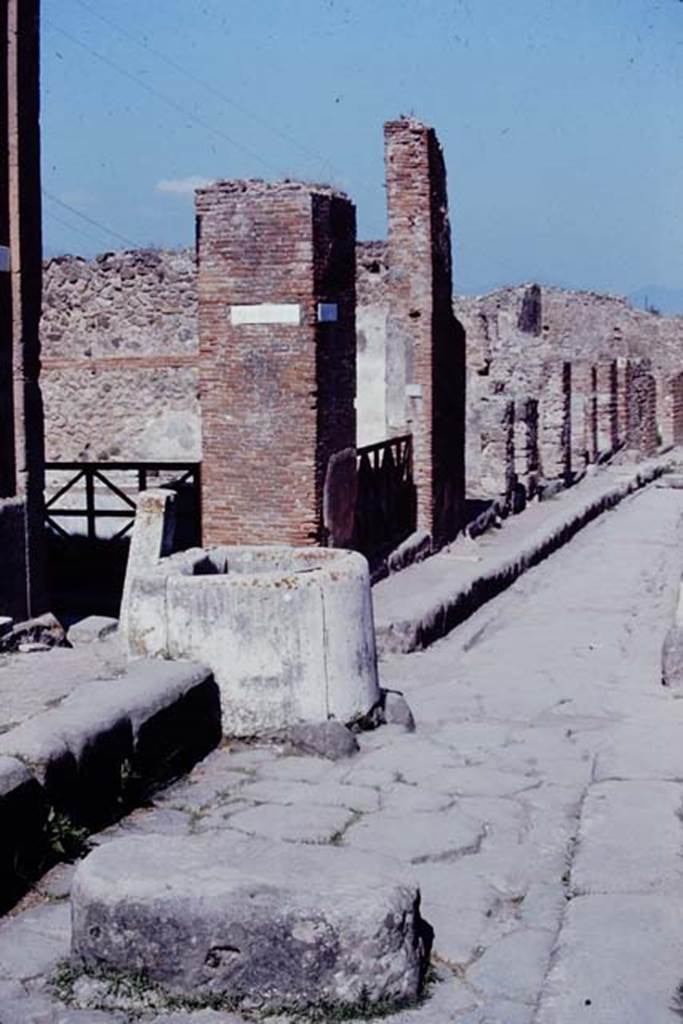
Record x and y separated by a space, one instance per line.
183 186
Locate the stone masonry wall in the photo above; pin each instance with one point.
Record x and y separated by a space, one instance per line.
277 384
119 375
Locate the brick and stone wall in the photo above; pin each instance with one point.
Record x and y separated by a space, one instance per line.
372 308
119 375
277 355
425 343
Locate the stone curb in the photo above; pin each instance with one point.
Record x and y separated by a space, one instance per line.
92 758
458 593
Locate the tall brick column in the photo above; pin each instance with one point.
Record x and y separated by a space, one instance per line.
425 343
21 417
277 356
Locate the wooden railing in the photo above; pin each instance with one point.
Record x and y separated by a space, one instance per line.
385 508
99 489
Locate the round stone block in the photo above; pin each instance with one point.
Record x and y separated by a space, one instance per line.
263 938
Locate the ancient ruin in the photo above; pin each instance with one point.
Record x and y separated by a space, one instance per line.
287 632
261 790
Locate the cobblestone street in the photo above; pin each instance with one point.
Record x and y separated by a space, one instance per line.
537 804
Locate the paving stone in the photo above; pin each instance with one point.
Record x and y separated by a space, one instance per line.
301 824
649 749
630 839
514 967
441 837
34 942
331 794
618 960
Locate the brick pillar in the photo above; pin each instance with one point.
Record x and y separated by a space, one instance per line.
425 343
277 356
675 390
526 444
555 417
582 418
607 405
641 436
623 397
497 461
21 414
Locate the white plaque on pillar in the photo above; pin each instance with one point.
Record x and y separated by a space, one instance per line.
413 391
266 313
4 257
328 312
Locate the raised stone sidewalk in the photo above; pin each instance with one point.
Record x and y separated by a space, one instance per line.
425 601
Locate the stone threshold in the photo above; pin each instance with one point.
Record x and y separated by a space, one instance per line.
425 601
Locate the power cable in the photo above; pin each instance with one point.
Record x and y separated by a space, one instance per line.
91 220
72 227
162 96
324 163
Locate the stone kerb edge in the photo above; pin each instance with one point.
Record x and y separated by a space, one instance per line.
92 759
454 606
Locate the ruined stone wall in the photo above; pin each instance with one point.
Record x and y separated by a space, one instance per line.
119 337
515 333
277 356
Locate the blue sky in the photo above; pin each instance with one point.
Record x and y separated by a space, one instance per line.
561 122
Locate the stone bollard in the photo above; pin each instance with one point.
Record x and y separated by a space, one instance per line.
215 918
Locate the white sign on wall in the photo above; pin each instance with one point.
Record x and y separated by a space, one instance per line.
4 257
266 313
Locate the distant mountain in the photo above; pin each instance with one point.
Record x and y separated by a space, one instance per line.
666 300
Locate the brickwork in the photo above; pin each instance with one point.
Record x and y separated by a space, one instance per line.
21 421
277 398
607 406
582 415
641 433
555 422
425 343
497 438
675 397
526 444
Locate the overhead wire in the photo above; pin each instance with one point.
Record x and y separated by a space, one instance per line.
72 227
163 97
91 220
218 93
